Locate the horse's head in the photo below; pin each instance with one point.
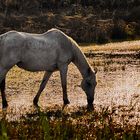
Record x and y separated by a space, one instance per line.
88 85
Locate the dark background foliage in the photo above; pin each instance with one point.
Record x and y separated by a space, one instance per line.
86 21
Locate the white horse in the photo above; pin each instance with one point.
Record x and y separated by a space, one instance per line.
48 52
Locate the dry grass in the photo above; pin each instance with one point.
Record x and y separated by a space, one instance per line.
56 124
119 46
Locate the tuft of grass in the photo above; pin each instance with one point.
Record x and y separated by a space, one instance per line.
3 130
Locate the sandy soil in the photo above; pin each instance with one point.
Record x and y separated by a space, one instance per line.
118 83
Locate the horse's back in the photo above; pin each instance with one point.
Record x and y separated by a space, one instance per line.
45 51
35 52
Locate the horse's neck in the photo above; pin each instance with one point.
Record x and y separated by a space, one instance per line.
81 62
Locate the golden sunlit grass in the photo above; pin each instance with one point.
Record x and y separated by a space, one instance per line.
119 46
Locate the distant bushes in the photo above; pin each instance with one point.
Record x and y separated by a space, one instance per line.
79 28
119 31
87 21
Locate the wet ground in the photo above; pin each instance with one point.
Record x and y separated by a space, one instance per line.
118 86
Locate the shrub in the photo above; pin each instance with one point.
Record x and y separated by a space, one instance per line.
119 30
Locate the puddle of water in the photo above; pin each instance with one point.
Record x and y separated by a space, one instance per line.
118 86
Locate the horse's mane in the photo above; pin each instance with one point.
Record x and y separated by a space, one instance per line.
79 56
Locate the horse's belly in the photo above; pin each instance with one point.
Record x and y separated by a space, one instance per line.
37 67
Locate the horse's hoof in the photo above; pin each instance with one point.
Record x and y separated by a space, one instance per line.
35 102
36 105
66 102
90 107
4 105
64 106
4 109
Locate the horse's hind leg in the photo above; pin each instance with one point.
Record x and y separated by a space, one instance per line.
2 88
63 74
42 86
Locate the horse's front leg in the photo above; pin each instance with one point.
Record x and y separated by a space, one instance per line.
42 86
63 74
2 88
